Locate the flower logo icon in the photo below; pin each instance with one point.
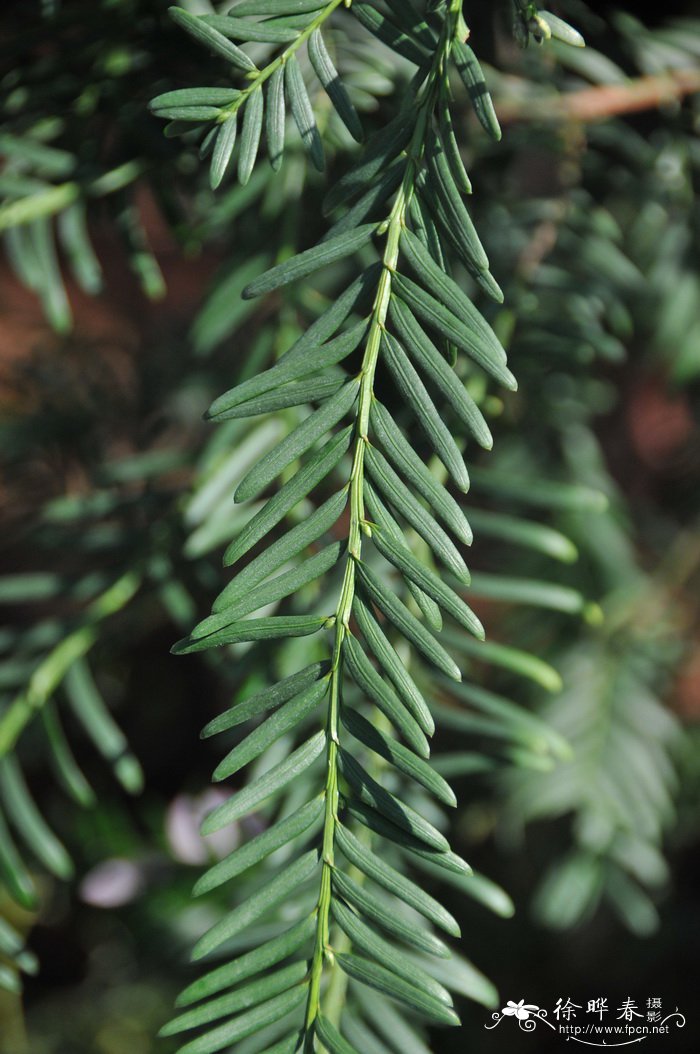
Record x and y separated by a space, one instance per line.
528 1015
521 1010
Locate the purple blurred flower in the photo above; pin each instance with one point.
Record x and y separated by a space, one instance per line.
182 822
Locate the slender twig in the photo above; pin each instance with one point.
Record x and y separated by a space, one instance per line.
597 103
392 228
54 667
258 77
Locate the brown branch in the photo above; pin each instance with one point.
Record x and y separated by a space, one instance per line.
595 104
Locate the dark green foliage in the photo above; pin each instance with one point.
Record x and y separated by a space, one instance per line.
352 554
405 159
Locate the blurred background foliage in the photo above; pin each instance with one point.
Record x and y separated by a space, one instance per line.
122 320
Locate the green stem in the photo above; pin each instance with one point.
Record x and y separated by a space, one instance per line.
55 199
392 227
51 670
258 77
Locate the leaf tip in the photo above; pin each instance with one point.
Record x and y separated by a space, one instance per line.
554 682
240 494
179 16
509 381
198 889
199 951
209 824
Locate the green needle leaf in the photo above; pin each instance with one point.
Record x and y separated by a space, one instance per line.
193 97
286 547
302 111
283 720
513 659
380 151
451 147
377 797
288 1045
294 394
223 149
270 896
414 393
561 30
378 911
369 942
402 558
247 1023
211 38
406 623
392 666
388 32
91 711
390 984
289 495
276 119
444 321
399 496
305 263
194 114
277 588
250 136
277 7
14 875
265 955
529 591
369 202
372 865
367 678
383 518
537 733
426 230
267 699
432 362
528 533
331 1037
370 818
29 822
274 628
297 442
447 213
397 448
328 76
462 230
473 78
446 290
244 29
242 999
545 493
67 768
303 359
404 11
305 820
398 755
262 788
